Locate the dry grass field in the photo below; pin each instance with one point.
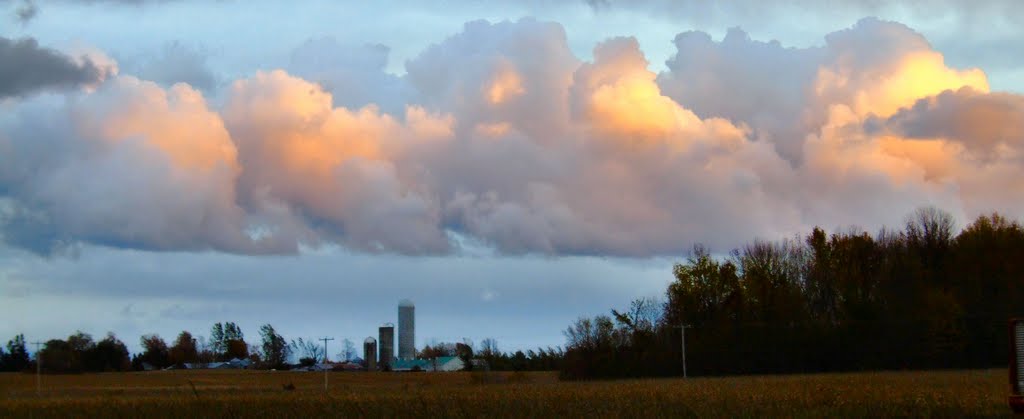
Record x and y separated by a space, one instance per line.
261 394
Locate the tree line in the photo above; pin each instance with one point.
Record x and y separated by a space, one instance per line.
81 353
493 359
920 297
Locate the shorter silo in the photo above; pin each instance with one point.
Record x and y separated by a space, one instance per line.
387 346
370 353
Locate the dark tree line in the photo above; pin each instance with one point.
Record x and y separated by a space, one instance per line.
543 359
15 357
920 297
80 353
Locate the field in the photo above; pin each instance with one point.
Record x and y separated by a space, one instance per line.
262 394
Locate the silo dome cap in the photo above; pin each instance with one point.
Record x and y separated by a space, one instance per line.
406 303
370 340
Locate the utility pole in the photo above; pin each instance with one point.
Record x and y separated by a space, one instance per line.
682 334
39 369
325 360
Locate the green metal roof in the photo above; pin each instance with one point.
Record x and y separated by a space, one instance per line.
408 364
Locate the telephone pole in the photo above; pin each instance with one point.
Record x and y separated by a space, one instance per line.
325 360
682 333
39 369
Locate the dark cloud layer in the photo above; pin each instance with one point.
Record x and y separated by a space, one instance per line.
25 67
334 293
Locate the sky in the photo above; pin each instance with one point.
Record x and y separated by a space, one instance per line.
509 166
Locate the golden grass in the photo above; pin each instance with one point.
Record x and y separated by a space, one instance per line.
260 394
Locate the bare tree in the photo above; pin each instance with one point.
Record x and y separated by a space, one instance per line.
348 351
930 224
308 349
489 347
643 315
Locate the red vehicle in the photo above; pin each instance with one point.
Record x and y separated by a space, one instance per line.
1017 365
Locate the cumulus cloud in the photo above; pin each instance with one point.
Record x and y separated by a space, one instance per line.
785 94
499 135
25 67
333 167
130 164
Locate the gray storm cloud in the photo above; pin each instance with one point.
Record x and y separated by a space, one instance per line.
26 10
499 135
25 67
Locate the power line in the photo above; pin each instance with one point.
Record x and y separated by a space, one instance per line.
39 366
682 333
325 360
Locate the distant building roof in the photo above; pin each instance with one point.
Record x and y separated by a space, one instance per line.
427 364
409 364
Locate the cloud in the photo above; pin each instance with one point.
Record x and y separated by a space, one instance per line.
966 10
500 136
25 67
353 74
784 94
179 63
128 165
26 11
174 291
332 166
987 124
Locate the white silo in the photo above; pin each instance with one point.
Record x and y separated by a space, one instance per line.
406 329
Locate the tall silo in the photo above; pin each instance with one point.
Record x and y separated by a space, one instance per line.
387 346
370 353
406 330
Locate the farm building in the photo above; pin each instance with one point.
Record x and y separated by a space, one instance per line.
234 364
403 365
444 363
447 363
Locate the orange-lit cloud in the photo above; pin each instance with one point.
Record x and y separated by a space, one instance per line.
176 121
505 85
500 135
883 93
311 159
